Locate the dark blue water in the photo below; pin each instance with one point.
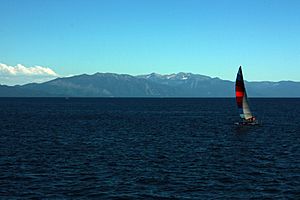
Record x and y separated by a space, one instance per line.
148 149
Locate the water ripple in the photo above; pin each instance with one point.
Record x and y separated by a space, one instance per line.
147 149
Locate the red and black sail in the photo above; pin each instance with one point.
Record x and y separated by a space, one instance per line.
241 96
240 91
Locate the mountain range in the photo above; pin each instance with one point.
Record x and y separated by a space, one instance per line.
151 85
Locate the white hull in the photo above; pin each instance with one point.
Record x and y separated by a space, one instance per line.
245 123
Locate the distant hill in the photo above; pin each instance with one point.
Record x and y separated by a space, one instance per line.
151 85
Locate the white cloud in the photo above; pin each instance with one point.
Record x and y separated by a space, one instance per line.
19 74
21 70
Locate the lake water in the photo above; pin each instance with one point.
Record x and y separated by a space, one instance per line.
102 148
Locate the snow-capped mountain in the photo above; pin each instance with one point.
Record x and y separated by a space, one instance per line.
149 85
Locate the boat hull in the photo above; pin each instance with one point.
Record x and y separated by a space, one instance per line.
255 123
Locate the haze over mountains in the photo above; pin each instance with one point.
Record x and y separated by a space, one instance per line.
151 85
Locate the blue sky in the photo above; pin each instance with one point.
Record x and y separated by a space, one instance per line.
210 37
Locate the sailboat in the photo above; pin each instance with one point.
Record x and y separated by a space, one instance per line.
242 101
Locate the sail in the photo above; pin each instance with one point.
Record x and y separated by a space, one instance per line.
241 96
